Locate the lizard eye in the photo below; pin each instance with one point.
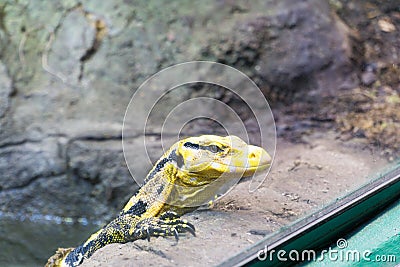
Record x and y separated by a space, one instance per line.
214 148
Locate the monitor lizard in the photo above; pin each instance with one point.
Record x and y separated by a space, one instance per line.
188 175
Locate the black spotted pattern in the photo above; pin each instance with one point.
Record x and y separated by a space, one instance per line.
160 189
75 257
158 168
177 158
138 209
211 148
191 145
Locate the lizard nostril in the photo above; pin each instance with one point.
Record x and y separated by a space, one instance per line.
252 155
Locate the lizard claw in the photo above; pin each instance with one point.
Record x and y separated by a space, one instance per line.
148 234
176 234
190 228
168 224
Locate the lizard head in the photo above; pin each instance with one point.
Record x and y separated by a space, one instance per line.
202 159
197 169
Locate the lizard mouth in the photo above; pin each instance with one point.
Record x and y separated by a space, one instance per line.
255 159
218 169
243 170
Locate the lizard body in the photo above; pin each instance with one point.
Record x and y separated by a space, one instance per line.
188 175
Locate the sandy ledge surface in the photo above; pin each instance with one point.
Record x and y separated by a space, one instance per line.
303 179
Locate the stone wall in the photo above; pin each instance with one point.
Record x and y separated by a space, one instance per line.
68 70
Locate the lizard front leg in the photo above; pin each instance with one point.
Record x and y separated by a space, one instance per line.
127 228
168 224
117 231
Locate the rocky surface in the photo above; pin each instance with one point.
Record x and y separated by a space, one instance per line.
68 71
304 179
291 47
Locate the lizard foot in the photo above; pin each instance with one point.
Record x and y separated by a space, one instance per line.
168 224
56 259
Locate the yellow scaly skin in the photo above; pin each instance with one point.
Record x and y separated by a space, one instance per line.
188 175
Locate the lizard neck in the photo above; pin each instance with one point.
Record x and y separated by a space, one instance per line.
169 188
150 200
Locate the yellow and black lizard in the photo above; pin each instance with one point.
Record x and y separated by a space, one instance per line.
188 175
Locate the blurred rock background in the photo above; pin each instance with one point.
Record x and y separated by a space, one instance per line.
68 70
